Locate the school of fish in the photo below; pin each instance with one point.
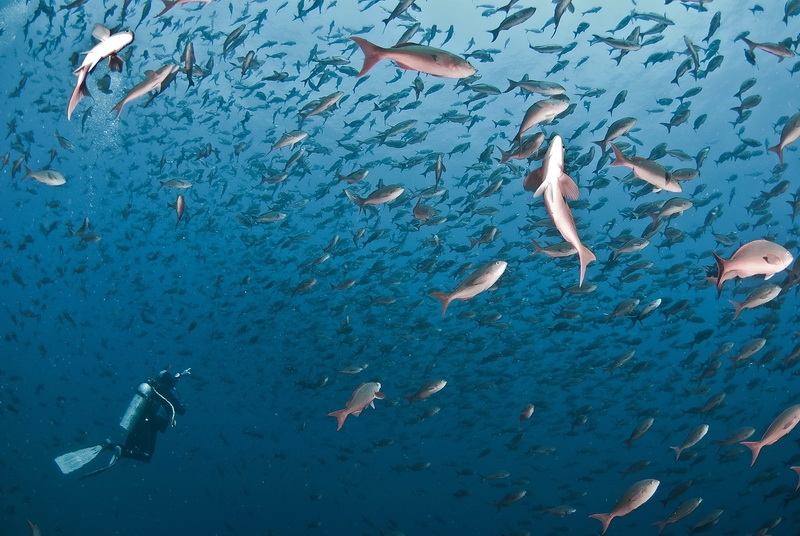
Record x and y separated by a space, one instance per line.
564 232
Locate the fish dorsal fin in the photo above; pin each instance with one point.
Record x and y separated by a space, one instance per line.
148 74
568 187
100 32
408 44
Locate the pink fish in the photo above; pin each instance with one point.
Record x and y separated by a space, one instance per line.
633 498
759 257
796 469
361 398
551 182
426 390
790 133
153 80
481 279
782 425
108 47
415 57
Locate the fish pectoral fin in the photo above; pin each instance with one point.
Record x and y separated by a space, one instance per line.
115 63
568 186
771 259
100 32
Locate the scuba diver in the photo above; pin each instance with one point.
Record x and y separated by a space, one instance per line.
153 407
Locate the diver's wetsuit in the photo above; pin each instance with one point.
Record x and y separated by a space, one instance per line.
155 417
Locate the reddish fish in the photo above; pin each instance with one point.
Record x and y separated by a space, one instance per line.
526 412
478 281
633 498
361 398
153 80
555 185
759 257
781 426
790 133
426 390
108 47
414 57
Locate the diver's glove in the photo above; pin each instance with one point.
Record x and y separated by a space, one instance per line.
186 372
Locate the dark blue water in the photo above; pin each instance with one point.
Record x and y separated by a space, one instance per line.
88 314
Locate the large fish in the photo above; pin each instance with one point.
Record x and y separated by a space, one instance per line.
633 498
153 80
759 257
362 397
415 57
108 47
782 425
551 182
478 281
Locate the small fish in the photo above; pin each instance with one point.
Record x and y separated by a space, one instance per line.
789 133
168 4
478 281
635 496
513 20
153 80
49 177
180 208
428 389
377 197
363 396
290 139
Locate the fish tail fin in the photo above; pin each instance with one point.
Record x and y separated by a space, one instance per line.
720 272
628 442
168 4
444 298
778 151
586 256
494 33
739 307
537 248
79 92
720 444
118 107
512 85
605 519
340 415
472 242
677 452
601 143
660 525
669 127
410 399
619 158
355 199
372 54
504 156
754 446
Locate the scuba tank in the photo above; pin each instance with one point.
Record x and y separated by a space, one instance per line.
137 406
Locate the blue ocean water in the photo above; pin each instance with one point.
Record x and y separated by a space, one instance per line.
89 312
